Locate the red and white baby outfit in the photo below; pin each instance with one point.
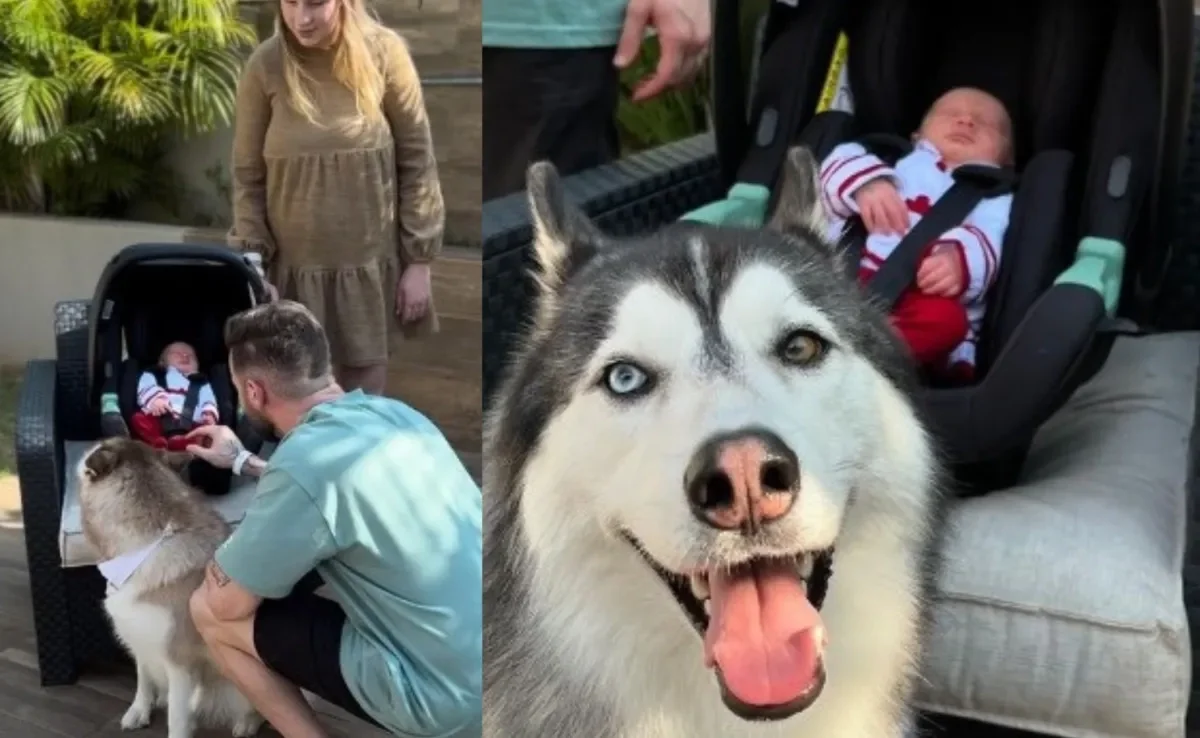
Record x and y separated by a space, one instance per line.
940 331
149 428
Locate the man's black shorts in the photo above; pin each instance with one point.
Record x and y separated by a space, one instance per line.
299 638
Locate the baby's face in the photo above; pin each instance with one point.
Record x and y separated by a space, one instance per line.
181 356
968 125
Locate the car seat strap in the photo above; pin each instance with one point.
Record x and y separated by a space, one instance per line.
195 382
973 183
889 147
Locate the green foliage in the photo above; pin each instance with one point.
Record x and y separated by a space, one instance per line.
669 117
680 113
93 91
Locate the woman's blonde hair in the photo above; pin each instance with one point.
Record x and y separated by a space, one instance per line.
354 63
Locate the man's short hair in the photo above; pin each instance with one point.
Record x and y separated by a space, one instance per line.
284 344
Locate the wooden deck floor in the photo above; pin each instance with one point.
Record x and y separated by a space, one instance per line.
442 375
93 707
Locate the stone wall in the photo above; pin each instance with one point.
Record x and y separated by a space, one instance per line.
446 37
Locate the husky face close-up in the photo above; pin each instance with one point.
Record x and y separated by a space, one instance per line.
697 422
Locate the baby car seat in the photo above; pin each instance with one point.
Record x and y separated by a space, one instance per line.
151 295
1085 87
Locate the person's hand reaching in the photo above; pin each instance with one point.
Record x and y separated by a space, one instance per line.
941 274
882 209
216 444
684 29
159 406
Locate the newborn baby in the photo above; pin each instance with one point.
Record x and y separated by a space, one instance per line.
940 315
163 393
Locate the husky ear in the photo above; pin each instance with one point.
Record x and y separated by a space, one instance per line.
101 461
800 196
564 238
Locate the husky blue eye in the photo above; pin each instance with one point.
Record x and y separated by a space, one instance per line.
625 378
801 348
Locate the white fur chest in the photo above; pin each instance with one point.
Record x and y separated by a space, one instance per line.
145 628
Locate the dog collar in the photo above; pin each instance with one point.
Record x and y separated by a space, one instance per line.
119 569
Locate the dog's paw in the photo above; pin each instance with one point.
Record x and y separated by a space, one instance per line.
247 725
136 717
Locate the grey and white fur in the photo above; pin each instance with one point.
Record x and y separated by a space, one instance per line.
642 351
130 495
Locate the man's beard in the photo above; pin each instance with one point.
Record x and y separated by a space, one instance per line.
264 429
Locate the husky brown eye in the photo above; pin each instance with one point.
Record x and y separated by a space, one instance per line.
802 348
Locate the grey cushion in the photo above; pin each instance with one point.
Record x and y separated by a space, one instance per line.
1061 606
76 551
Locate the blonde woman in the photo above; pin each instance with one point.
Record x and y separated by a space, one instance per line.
335 183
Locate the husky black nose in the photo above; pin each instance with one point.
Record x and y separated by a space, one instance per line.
744 479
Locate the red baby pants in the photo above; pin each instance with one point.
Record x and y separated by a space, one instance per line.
931 326
148 429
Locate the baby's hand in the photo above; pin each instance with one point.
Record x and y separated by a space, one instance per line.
160 405
882 210
941 274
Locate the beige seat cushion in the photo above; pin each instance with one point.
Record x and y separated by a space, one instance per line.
76 551
1061 607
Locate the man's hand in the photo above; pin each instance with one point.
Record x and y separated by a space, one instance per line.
883 211
684 28
941 274
216 444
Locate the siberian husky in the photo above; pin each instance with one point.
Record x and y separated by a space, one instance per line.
155 535
695 420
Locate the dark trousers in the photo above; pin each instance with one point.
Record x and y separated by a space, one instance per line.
299 638
546 104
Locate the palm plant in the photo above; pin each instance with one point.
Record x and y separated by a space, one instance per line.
93 91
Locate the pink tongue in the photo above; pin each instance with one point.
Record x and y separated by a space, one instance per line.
762 634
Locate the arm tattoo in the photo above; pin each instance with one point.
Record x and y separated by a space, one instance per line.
230 449
219 577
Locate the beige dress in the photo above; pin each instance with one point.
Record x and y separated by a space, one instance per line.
339 208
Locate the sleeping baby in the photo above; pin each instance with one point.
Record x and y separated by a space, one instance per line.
173 398
939 317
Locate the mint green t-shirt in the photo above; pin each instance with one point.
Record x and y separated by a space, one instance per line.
368 492
552 24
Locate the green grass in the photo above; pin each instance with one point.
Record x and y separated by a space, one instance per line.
669 117
680 113
10 392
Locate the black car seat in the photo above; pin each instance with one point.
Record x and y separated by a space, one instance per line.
1081 82
147 300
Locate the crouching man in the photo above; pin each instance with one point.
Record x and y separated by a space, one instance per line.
367 493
